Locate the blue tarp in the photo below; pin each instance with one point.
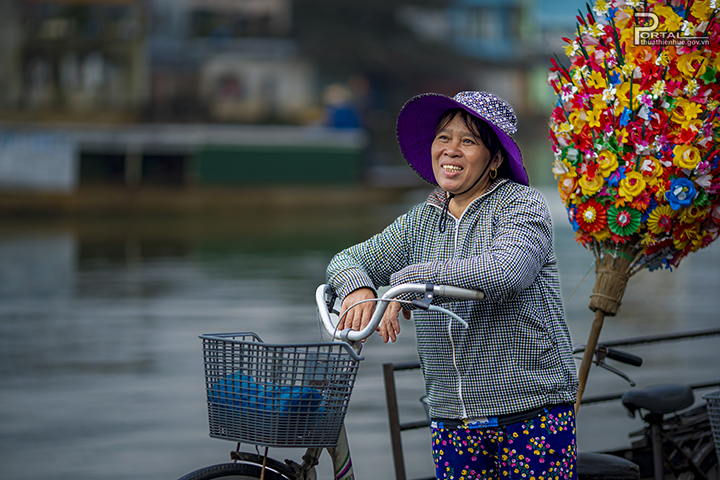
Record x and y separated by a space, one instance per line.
241 390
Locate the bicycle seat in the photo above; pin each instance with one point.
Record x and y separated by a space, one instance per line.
601 466
659 399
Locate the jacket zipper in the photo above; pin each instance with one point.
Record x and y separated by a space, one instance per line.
452 343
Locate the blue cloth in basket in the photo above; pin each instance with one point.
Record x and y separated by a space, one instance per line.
241 390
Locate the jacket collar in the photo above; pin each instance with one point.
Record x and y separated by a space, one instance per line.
438 196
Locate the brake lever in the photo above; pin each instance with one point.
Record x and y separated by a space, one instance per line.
600 354
614 370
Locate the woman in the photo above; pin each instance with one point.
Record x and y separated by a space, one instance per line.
500 391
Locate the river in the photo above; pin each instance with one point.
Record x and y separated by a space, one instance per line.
101 368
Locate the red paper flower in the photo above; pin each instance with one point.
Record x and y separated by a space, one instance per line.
591 216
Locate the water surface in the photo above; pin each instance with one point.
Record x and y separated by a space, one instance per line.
100 364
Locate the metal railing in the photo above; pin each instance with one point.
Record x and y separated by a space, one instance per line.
397 427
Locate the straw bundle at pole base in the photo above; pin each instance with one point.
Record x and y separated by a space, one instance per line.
636 137
612 275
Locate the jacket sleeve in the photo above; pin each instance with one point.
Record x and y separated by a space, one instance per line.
370 263
520 246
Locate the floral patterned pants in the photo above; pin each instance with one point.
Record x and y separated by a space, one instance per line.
539 449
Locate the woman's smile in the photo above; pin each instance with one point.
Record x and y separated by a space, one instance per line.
452 168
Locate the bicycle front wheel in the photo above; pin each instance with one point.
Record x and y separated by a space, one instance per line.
233 471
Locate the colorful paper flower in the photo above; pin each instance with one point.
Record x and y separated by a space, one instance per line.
591 216
590 184
643 125
661 220
607 163
686 156
623 221
631 186
681 193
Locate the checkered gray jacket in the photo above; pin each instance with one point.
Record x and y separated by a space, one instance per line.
517 354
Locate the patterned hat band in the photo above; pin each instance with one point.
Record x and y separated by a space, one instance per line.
490 108
419 118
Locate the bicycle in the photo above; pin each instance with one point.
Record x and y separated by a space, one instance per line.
293 395
681 444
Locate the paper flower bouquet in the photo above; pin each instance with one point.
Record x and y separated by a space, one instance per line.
636 127
635 135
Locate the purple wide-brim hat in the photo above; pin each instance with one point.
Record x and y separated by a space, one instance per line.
419 117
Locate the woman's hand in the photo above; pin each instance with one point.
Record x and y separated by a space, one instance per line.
359 316
390 325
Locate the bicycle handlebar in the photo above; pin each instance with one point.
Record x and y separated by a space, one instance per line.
427 290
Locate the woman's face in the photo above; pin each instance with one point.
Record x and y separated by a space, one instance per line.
459 157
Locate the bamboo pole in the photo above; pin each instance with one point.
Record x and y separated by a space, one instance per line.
588 355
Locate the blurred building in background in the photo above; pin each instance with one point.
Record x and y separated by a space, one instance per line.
66 61
142 92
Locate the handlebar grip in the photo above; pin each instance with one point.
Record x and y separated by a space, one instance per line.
457 292
624 357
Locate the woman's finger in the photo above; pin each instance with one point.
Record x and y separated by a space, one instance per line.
390 323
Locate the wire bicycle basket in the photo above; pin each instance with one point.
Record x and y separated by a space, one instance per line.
713 409
289 395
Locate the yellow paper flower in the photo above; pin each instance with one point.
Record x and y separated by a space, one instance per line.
593 118
663 58
660 219
598 103
692 64
652 169
701 10
680 244
607 163
622 135
669 20
578 121
689 215
658 88
686 156
590 186
685 110
601 7
602 235
698 242
564 127
597 80
570 169
628 69
622 97
631 186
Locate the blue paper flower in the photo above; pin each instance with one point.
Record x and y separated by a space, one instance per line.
679 9
614 179
571 216
625 117
681 193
